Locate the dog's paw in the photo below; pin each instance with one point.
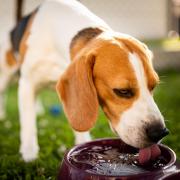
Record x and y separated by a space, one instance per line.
29 153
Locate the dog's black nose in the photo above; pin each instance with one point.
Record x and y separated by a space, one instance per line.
156 132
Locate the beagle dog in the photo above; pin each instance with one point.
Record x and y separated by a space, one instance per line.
62 43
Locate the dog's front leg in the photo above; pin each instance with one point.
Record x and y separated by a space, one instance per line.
28 134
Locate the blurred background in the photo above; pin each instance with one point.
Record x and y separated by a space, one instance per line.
157 23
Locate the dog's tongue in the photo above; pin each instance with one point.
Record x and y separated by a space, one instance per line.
149 153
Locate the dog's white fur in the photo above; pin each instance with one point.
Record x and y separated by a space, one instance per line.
132 122
47 57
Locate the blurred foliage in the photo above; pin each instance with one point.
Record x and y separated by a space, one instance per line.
169 44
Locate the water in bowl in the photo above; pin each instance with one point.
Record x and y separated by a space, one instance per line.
108 160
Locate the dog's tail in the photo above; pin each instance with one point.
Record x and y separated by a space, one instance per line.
19 9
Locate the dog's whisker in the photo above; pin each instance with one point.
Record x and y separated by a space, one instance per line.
163 76
161 82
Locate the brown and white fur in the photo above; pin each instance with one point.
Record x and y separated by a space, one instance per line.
90 63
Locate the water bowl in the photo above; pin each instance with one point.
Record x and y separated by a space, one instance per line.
173 176
112 159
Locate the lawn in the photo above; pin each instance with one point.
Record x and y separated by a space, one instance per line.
55 134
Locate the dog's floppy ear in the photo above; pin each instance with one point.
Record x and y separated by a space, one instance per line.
78 93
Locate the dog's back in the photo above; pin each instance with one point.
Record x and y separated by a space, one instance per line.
18 31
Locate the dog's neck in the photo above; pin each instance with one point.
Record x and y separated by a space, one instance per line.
82 38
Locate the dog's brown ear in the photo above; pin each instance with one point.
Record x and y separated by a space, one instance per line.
78 93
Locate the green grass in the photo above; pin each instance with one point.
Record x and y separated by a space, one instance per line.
168 44
55 133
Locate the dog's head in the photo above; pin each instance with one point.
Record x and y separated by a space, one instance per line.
116 72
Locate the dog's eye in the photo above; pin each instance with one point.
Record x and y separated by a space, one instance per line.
151 88
125 93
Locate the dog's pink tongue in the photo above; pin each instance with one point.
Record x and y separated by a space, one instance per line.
149 153
144 155
155 151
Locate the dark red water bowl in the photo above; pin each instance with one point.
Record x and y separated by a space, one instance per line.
173 176
70 171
